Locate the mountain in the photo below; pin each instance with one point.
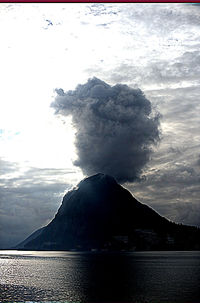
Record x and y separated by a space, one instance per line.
30 238
101 214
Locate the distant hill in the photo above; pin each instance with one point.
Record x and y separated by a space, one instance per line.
100 214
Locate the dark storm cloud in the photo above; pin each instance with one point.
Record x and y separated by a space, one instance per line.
115 128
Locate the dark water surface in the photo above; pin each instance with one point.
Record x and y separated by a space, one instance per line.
136 277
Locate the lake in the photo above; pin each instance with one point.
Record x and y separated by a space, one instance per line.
138 277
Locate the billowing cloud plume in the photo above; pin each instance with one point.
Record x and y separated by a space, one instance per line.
115 127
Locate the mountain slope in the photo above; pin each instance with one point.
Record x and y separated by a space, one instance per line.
101 214
30 238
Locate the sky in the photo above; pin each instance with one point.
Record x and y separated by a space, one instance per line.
149 50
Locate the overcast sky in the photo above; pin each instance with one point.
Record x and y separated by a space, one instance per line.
153 47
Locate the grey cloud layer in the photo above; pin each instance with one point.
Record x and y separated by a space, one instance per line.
173 191
173 176
28 200
115 127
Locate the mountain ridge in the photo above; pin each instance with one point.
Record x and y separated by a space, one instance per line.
100 214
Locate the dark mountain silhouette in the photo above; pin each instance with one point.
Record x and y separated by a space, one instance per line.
101 214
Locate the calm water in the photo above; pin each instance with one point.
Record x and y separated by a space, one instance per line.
136 277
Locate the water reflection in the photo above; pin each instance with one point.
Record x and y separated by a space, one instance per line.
102 277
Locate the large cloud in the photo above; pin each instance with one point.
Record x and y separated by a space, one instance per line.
115 127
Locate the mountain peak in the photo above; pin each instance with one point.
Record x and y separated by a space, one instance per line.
102 214
98 179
